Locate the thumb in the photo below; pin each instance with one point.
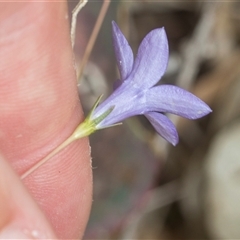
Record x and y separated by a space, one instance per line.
39 109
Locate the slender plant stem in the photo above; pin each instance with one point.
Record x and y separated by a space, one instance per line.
93 37
75 12
50 155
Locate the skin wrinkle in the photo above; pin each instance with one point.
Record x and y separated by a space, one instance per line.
66 195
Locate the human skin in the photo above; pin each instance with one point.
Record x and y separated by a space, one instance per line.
39 109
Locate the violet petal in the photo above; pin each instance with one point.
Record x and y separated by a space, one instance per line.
152 59
126 102
123 52
163 126
172 99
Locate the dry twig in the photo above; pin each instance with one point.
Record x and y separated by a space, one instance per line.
75 12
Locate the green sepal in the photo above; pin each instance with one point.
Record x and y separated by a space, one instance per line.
89 125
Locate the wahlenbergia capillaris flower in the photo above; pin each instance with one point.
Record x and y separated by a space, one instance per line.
136 94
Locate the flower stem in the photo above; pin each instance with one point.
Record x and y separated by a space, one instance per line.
50 155
84 129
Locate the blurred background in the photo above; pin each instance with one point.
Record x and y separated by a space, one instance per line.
143 187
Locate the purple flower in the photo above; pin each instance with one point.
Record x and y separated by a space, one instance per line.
135 93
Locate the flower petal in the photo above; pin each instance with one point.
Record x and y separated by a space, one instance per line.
123 52
126 101
163 126
172 99
152 59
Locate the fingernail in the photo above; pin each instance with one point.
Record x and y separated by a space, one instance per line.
11 233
